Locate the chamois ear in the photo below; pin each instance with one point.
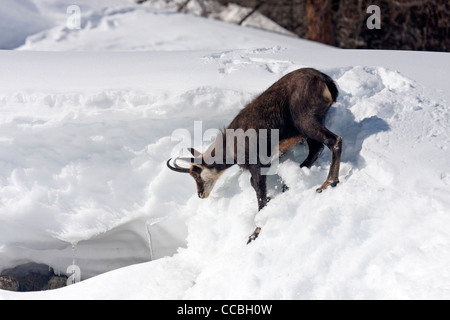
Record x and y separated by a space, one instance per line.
194 152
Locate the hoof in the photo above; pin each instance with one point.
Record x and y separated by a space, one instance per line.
254 236
326 185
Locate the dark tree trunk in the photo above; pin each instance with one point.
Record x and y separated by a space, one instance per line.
320 24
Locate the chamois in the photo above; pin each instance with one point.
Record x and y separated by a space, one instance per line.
295 106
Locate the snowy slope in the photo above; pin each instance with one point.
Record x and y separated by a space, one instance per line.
84 138
137 28
22 18
19 19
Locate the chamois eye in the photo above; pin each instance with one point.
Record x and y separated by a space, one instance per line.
195 175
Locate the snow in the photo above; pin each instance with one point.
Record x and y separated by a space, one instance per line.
19 13
89 117
100 30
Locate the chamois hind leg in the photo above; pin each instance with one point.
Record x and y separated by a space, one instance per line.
317 131
315 149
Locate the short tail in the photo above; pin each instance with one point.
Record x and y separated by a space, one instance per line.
332 87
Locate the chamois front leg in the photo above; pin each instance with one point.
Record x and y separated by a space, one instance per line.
259 183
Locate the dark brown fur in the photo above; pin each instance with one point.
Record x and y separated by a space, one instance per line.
296 105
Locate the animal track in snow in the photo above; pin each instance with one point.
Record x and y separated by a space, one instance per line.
234 60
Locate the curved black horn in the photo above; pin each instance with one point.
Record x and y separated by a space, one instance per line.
177 168
188 160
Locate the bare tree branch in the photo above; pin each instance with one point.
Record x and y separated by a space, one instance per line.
256 8
183 6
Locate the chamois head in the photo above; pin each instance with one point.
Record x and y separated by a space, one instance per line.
205 176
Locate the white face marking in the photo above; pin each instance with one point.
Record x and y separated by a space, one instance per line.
209 178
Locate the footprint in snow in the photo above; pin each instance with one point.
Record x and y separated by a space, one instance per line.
235 60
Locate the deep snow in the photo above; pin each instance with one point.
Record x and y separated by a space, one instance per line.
24 14
84 137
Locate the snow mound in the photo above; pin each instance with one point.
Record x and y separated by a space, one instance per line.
381 233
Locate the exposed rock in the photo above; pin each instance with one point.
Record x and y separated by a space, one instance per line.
9 284
56 282
31 277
